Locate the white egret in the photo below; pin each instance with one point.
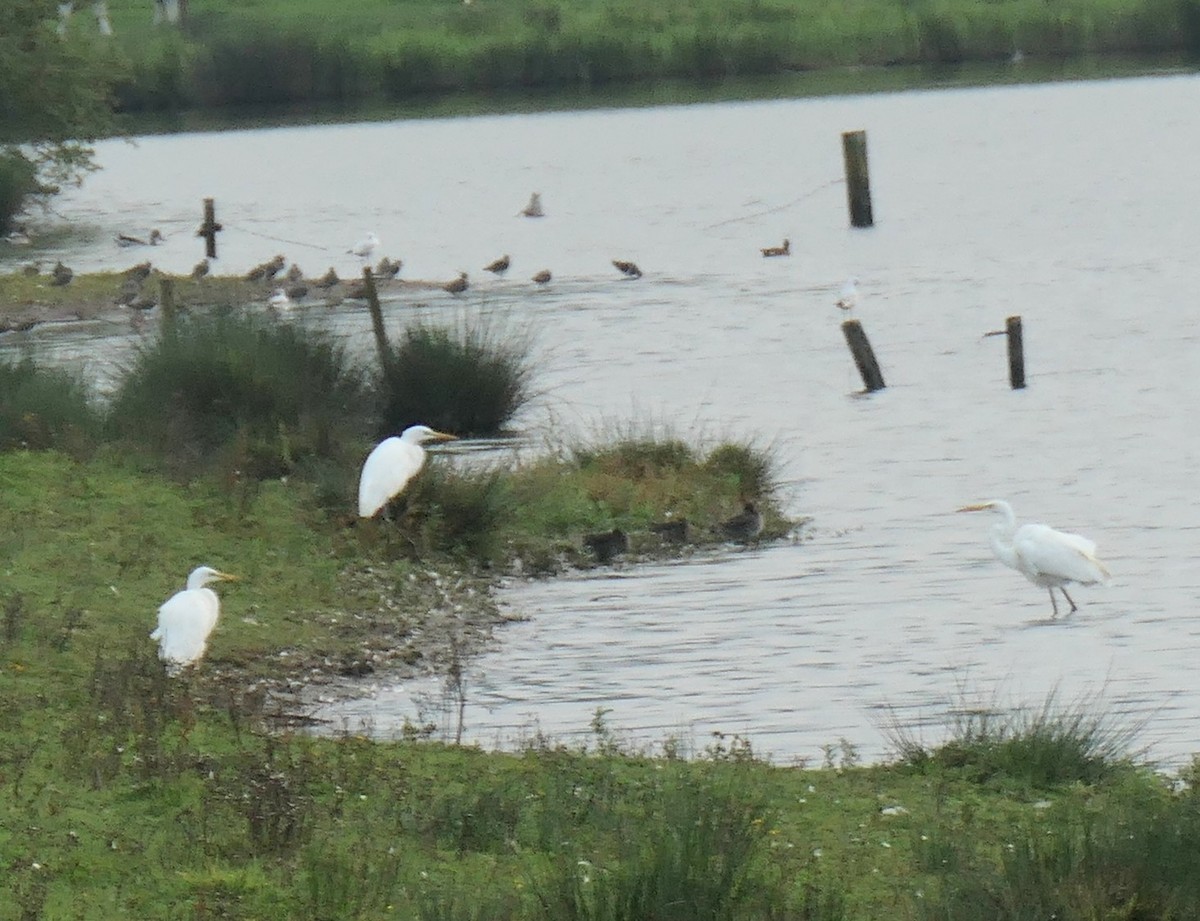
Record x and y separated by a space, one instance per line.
187 618
1046 557
279 300
391 465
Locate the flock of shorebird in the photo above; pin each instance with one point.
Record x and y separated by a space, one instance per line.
292 286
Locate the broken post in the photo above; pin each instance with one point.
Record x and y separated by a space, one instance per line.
864 357
858 181
381 341
209 229
1016 353
166 300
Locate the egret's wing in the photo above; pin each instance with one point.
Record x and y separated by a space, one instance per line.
386 472
185 621
1047 552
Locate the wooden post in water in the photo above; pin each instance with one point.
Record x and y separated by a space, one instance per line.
381 341
166 300
209 229
858 181
864 357
1016 353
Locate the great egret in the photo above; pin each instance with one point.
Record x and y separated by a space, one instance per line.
279 300
784 250
391 465
745 526
187 618
1046 557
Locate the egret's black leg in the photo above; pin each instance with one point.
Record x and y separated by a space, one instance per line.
1068 597
1054 604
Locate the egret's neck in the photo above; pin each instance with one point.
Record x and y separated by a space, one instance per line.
1001 537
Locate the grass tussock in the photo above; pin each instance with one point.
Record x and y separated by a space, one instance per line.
43 408
469 379
1038 748
240 394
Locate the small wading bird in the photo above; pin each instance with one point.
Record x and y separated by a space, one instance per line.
458 286
499 266
628 269
201 268
124 239
848 298
784 250
187 618
1046 557
745 526
391 466
534 208
542 277
607 544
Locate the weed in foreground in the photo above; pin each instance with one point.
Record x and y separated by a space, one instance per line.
45 408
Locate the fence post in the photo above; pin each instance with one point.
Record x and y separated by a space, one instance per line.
1016 353
381 341
864 357
858 180
209 229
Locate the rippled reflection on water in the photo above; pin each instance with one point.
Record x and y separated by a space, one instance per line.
1072 205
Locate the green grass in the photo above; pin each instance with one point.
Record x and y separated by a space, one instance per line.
272 52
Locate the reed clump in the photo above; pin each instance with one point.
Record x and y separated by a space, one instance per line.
43 408
234 392
472 378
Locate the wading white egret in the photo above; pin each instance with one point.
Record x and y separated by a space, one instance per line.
1046 557
187 618
391 465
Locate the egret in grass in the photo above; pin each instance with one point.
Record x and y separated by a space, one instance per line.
187 619
1046 557
391 466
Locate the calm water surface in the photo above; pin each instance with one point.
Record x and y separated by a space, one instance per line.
1073 205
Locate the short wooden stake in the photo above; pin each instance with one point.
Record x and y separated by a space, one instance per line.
166 301
209 229
381 340
864 357
1016 353
858 181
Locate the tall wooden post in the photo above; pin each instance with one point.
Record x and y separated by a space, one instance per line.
381 341
864 357
1016 353
858 181
209 229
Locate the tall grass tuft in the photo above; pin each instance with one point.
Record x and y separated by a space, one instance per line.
241 393
1042 747
688 857
461 513
45 408
470 379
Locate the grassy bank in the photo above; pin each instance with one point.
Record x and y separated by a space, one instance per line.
313 51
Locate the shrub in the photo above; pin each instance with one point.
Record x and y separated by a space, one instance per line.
45 408
243 392
471 379
18 180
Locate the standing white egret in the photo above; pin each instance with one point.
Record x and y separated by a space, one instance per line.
187 618
279 300
1046 557
365 247
391 465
